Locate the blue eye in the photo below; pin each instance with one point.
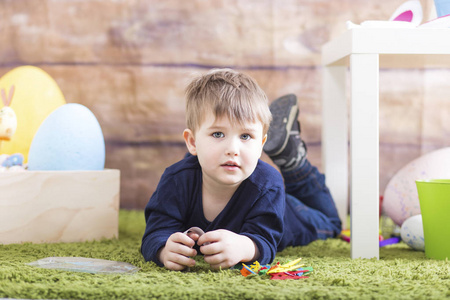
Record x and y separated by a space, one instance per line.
246 137
218 135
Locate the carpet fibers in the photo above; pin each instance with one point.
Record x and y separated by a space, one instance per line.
400 273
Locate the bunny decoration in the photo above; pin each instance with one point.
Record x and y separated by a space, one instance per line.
8 119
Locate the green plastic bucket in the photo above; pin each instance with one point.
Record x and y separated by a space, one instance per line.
434 198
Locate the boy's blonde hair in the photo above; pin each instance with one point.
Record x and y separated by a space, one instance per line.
229 93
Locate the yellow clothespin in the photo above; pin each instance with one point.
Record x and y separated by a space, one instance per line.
255 267
293 265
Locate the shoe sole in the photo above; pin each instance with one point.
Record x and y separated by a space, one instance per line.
284 113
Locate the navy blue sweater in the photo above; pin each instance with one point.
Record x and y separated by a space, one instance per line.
255 210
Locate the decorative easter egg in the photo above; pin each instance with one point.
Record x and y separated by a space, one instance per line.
13 160
401 199
412 233
36 95
70 138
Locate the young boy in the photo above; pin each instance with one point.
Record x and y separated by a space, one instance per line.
241 203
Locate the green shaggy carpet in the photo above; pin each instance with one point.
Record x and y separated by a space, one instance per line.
401 273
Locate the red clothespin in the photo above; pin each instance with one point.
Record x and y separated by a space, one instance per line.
285 276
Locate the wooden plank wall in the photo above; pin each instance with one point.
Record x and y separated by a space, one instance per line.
129 61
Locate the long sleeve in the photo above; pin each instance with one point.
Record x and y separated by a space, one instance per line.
164 216
264 224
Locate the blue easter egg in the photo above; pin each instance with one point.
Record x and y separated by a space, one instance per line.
70 138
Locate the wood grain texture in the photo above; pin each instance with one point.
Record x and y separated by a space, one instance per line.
129 62
59 206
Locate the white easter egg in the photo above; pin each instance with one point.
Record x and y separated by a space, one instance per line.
401 199
70 138
412 233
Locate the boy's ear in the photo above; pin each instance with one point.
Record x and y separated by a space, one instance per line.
264 140
189 139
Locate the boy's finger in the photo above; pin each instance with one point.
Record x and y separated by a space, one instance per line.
184 250
209 237
181 238
174 266
194 236
179 263
218 262
213 259
180 257
210 248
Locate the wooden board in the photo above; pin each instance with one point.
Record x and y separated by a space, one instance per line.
130 64
58 206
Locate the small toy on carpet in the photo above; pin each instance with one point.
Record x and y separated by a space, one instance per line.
290 270
345 235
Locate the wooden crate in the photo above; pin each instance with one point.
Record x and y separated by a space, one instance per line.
59 206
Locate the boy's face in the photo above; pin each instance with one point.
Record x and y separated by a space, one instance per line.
228 152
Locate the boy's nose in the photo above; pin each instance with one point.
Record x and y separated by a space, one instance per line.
232 153
233 148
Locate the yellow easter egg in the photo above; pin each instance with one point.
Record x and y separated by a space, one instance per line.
36 95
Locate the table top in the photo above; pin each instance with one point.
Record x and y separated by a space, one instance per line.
419 47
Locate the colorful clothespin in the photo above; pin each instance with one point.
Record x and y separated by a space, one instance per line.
255 266
264 270
290 270
286 275
246 270
307 270
293 265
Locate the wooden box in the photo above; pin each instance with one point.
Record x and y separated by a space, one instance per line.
59 206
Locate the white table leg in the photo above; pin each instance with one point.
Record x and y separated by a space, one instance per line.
335 136
364 220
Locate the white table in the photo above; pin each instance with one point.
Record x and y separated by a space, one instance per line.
365 50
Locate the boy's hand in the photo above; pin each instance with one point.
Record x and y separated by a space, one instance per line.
175 254
227 248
